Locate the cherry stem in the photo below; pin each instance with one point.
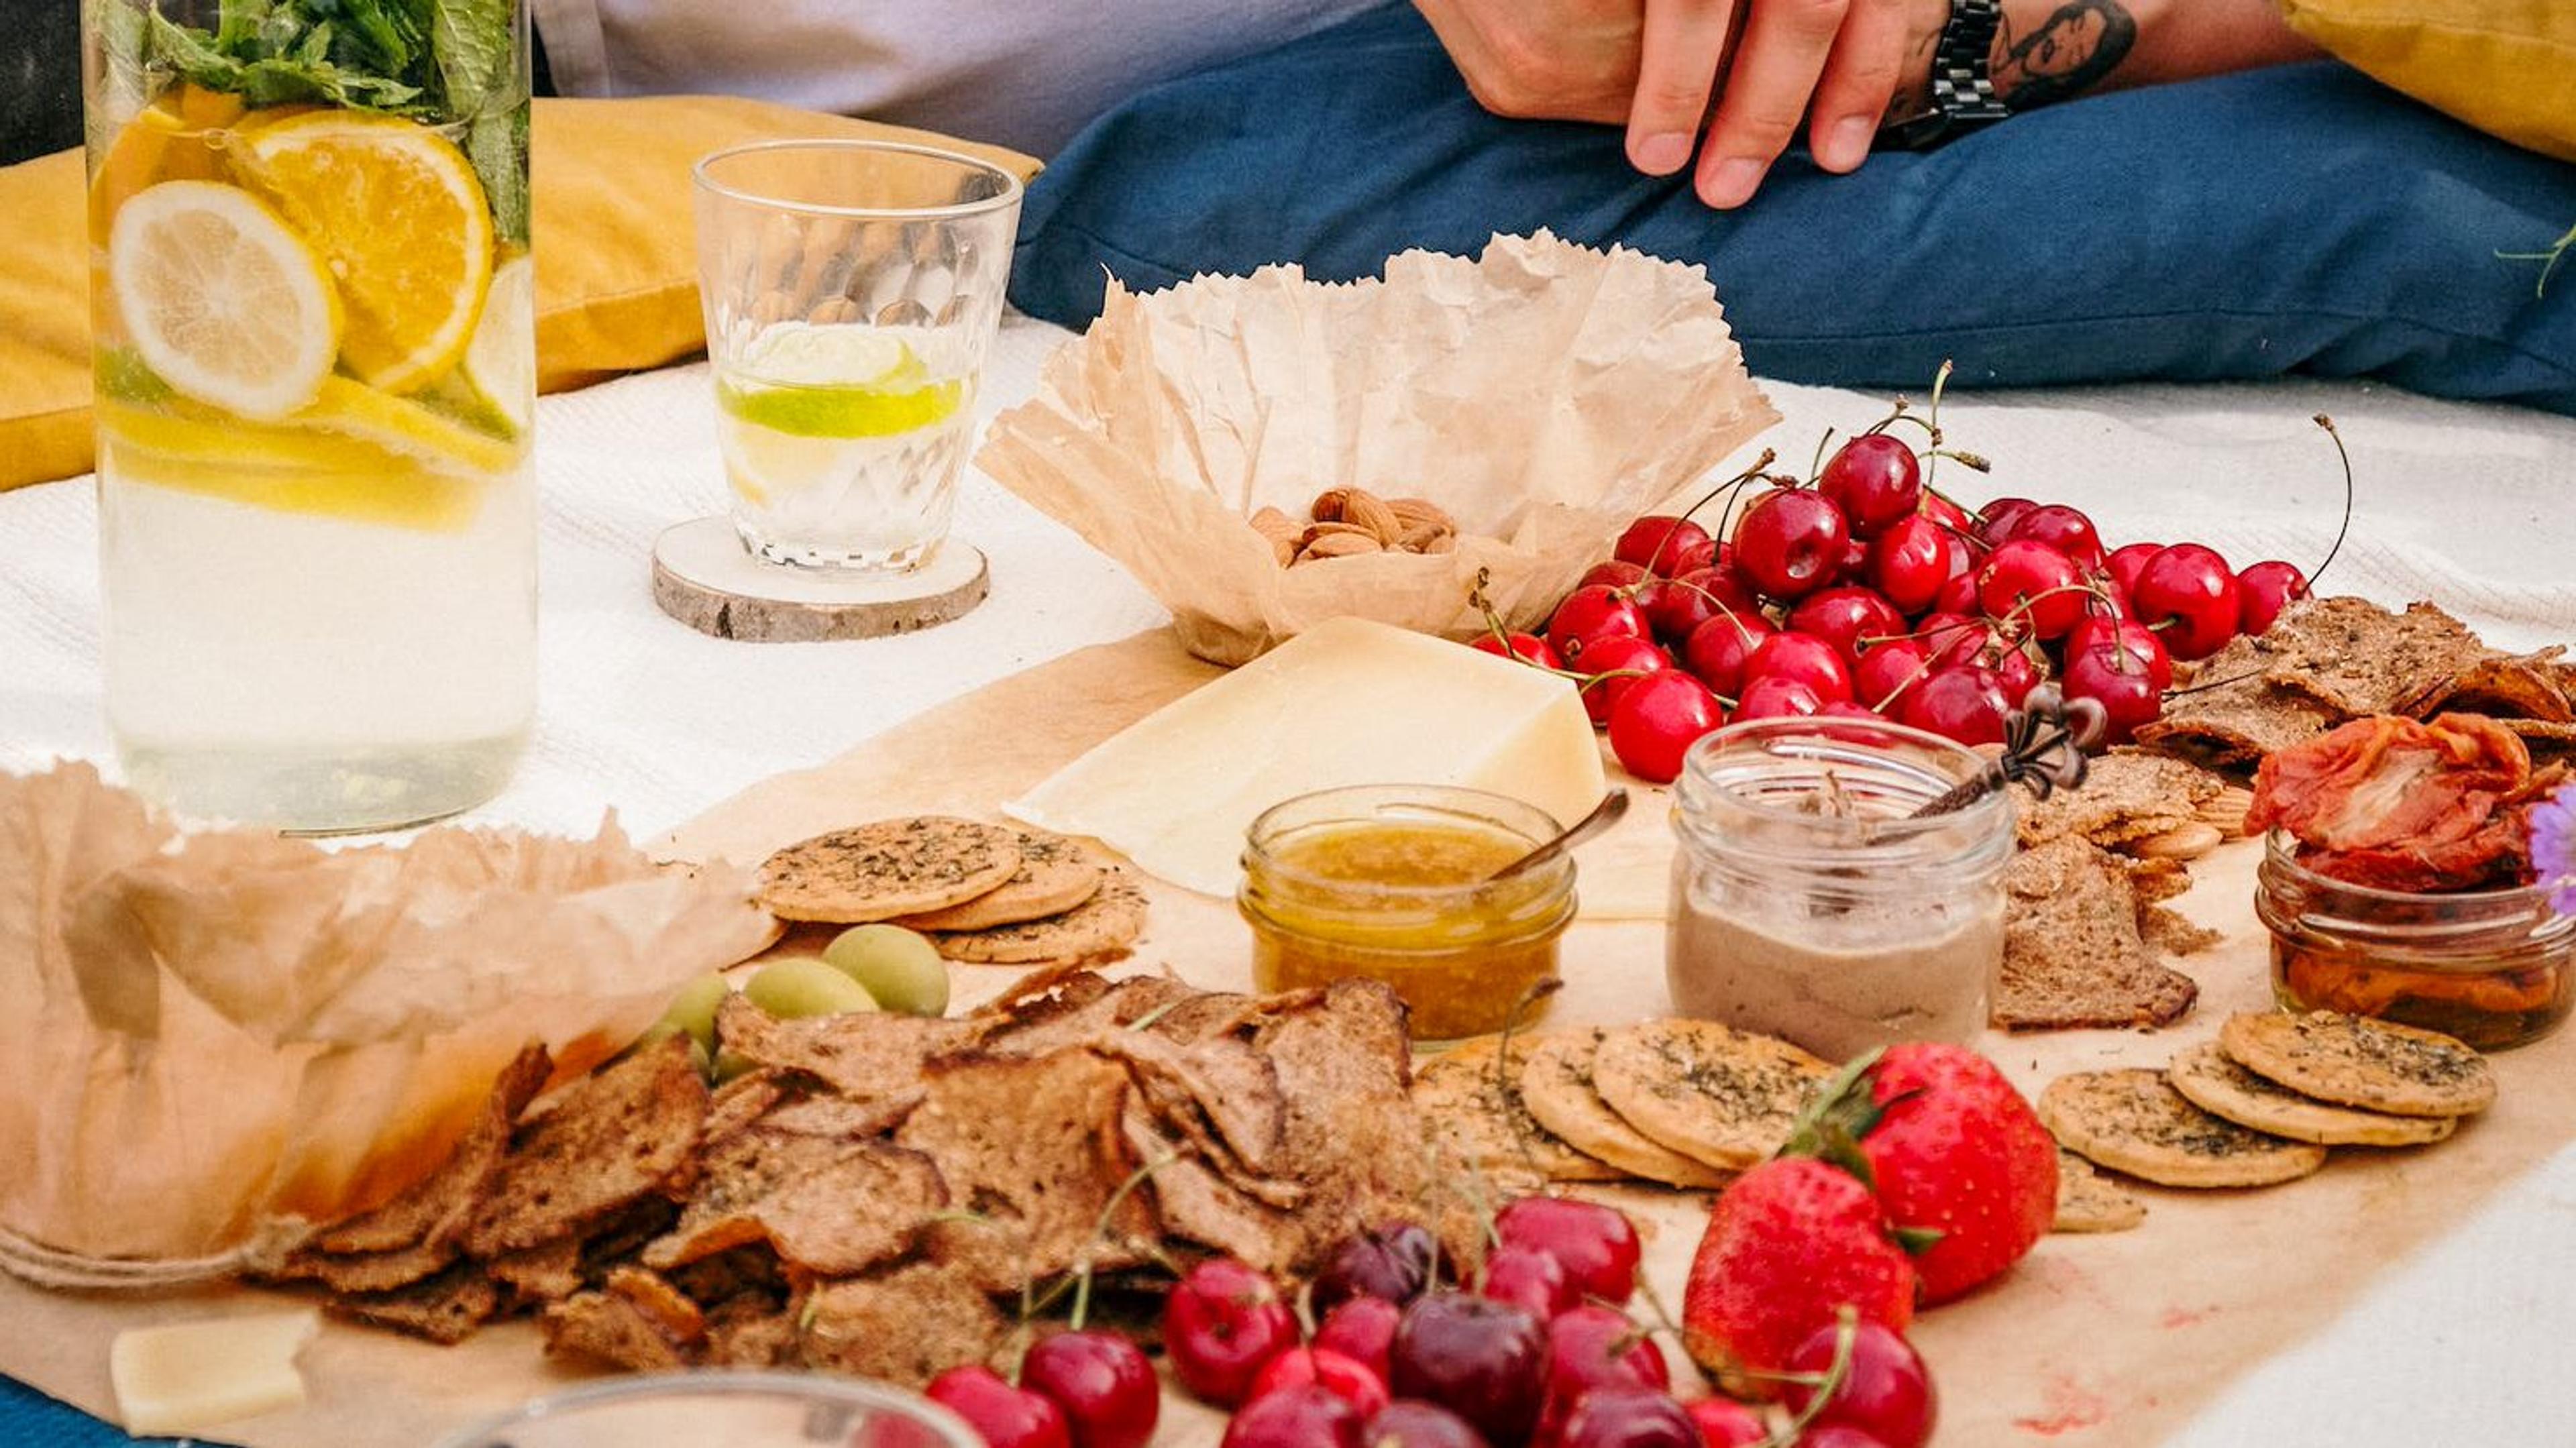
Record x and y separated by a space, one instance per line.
1846 1338
1100 1231
1816 464
2088 587
1504 1073
1663 1317
2203 688
2346 526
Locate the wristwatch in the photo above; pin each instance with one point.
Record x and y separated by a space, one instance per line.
1963 93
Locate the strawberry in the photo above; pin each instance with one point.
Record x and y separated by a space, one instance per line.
1789 1244
1959 1160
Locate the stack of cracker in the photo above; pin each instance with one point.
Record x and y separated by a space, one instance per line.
2263 1102
1681 1102
990 894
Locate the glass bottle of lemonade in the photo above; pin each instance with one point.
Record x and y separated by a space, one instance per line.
314 313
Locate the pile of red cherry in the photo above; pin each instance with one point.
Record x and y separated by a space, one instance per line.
1538 1352
1866 593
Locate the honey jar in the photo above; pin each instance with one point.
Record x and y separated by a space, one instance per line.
1393 883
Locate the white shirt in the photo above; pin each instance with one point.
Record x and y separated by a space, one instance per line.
1021 73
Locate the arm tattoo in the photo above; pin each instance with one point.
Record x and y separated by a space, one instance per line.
2068 54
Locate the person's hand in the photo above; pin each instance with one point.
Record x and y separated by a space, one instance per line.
1836 63
1656 64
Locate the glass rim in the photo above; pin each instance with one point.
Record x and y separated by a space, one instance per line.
722 1382
2279 851
1464 803
1698 763
1009 195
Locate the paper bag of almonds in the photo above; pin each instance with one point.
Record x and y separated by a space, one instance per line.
214 1038
1505 414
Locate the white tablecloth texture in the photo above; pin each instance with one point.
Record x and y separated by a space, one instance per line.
2464 504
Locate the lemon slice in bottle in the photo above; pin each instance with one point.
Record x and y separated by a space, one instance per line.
354 410
395 210
499 378
221 298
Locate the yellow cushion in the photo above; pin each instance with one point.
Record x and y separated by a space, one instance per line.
2507 67
616 253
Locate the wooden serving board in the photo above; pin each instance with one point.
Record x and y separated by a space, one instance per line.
2093 1340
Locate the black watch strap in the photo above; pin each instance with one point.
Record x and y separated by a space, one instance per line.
1963 91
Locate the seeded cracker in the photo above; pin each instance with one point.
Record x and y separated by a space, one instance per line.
2358 658
1716 1095
1102 928
2088 1201
1055 875
2133 1121
888 869
2355 1061
1557 1089
2072 952
2211 1080
1471 1099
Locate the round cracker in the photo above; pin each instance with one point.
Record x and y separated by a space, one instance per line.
2357 1061
1556 1087
2088 1201
1473 1101
890 868
1104 927
1717 1095
2133 1121
2210 1079
1055 875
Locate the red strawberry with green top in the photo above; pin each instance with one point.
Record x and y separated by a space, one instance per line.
1788 1245
1959 1160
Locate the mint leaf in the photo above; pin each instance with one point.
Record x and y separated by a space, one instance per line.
476 43
497 144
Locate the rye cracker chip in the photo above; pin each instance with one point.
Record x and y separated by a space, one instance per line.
607 1140
1197 1204
1722 1097
1470 1097
2211 1080
1104 927
888 869
2126 796
2133 1121
1055 875
635 1320
2357 658
904 1326
2360 1062
831 1207
1033 1148
2088 1201
434 1209
446 1308
547 1273
869 1055
2504 686
1557 1090
368 1271
2167 931
2072 952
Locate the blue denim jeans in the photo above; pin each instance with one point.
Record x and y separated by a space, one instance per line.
2298 219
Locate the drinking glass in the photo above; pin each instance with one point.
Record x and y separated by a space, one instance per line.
852 290
314 321
734 1409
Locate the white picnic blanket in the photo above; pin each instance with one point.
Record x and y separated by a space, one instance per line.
2460 503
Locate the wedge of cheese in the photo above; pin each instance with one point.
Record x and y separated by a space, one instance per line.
1348 702
189 1376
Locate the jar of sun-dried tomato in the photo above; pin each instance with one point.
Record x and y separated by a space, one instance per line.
2495 968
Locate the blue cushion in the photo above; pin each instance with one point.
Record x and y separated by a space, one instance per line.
29 1419
2300 219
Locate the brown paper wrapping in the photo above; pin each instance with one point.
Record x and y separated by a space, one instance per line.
2092 1342
214 1037
1542 393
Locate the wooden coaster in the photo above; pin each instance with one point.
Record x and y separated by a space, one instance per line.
703 577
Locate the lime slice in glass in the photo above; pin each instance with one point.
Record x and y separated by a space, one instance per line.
837 381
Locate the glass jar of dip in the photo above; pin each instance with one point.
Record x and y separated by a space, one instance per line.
2495 968
1806 905
1390 883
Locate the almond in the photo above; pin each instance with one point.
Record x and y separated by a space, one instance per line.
1364 509
1420 537
2186 842
2228 810
1412 512
1339 545
1328 505
1280 531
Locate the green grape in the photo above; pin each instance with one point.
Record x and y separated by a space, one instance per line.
801 985
899 967
703 1059
694 1010
728 1065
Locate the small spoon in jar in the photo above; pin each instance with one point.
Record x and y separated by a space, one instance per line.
1603 816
